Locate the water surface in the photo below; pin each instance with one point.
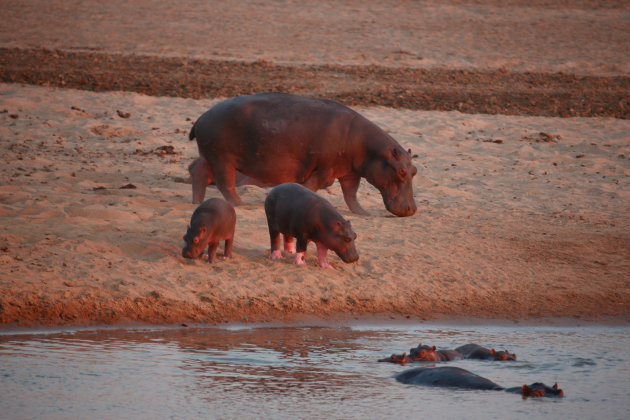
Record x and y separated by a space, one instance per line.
304 372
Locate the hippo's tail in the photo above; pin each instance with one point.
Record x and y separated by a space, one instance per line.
191 135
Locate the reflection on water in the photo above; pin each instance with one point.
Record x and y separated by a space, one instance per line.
313 372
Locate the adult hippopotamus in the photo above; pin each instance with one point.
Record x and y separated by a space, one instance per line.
297 212
454 377
475 351
277 138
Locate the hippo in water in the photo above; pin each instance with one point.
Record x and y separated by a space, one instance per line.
277 138
297 212
213 221
475 351
454 377
423 353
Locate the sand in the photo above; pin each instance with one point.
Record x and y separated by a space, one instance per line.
519 217
511 223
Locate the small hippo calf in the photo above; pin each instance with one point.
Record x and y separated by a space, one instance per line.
297 212
454 377
213 221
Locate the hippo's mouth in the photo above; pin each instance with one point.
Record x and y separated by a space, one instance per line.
400 207
351 255
191 253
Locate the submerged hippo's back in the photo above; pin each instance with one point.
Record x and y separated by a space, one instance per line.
449 376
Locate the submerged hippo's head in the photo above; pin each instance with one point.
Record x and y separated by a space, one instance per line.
539 389
423 353
502 355
196 241
392 173
338 236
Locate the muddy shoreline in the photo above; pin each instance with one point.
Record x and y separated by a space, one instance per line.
469 91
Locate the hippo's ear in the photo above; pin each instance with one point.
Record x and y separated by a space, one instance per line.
555 386
525 390
492 352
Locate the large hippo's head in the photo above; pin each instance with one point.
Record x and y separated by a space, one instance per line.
392 172
339 237
423 353
502 355
196 241
539 389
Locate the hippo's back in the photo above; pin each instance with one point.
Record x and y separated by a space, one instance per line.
217 208
266 115
452 377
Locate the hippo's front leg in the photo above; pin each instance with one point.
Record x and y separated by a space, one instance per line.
349 187
322 255
212 251
227 253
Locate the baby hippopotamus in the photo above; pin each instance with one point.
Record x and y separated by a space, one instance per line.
454 377
213 221
297 212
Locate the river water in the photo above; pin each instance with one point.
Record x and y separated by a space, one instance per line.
305 372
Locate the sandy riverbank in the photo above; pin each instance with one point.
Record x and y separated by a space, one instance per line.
519 218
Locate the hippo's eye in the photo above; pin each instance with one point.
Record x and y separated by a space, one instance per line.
347 239
402 173
196 240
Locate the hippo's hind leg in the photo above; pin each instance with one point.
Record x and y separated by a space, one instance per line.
274 236
225 181
289 244
201 175
300 250
212 251
349 187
